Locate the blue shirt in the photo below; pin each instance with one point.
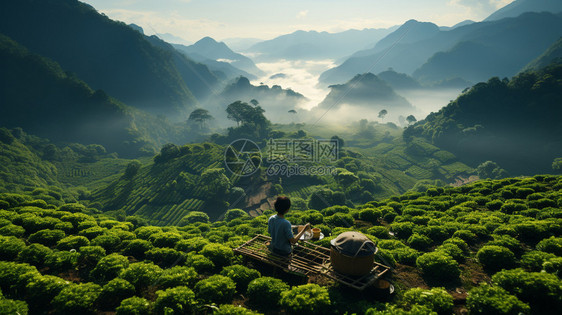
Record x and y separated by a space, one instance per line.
281 232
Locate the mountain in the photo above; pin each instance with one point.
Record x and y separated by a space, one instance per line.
106 54
465 52
463 23
317 45
494 51
39 96
241 44
552 55
399 81
207 48
519 7
513 123
275 100
366 93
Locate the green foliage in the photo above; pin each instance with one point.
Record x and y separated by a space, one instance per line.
229 309
551 245
219 254
77 299
194 216
438 266
165 257
8 306
114 292
141 274
553 265
495 258
215 289
436 299
241 275
137 248
419 242
540 290
72 242
492 300
42 289
10 247
265 292
109 267
47 237
307 298
34 254
177 276
134 306
533 260
232 214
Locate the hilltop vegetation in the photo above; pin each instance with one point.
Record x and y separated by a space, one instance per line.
512 122
480 247
106 54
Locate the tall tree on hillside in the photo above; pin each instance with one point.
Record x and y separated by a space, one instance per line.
411 119
382 113
239 112
254 102
200 116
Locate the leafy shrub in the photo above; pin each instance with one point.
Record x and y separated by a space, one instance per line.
438 266
215 289
180 300
141 274
77 299
533 260
419 242
219 254
10 247
108 241
34 254
72 242
199 262
507 241
47 237
192 244
114 292
89 256
109 267
340 219
405 255
60 261
495 258
459 242
452 250
14 276
232 214
165 239
551 245
265 292
553 265
539 289
436 299
177 276
134 306
241 275
41 290
12 230
229 309
370 215
137 248
193 217
165 257
492 300
8 306
466 236
307 298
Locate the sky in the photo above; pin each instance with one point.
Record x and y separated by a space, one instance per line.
192 20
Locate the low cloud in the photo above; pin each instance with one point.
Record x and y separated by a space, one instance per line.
302 14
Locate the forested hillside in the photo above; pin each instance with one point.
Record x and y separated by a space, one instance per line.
491 247
40 97
512 122
106 54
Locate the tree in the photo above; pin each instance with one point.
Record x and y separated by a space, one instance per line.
254 102
239 112
200 116
411 119
382 113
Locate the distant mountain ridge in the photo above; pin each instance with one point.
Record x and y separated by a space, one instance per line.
519 7
208 48
552 55
497 43
317 45
106 54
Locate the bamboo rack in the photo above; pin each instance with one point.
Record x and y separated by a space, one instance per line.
307 259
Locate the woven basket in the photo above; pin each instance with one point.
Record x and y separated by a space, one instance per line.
353 266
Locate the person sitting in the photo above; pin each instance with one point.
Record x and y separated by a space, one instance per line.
280 228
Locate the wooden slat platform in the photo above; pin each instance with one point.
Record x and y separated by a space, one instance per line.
307 259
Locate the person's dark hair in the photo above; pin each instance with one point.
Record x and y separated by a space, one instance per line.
282 204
